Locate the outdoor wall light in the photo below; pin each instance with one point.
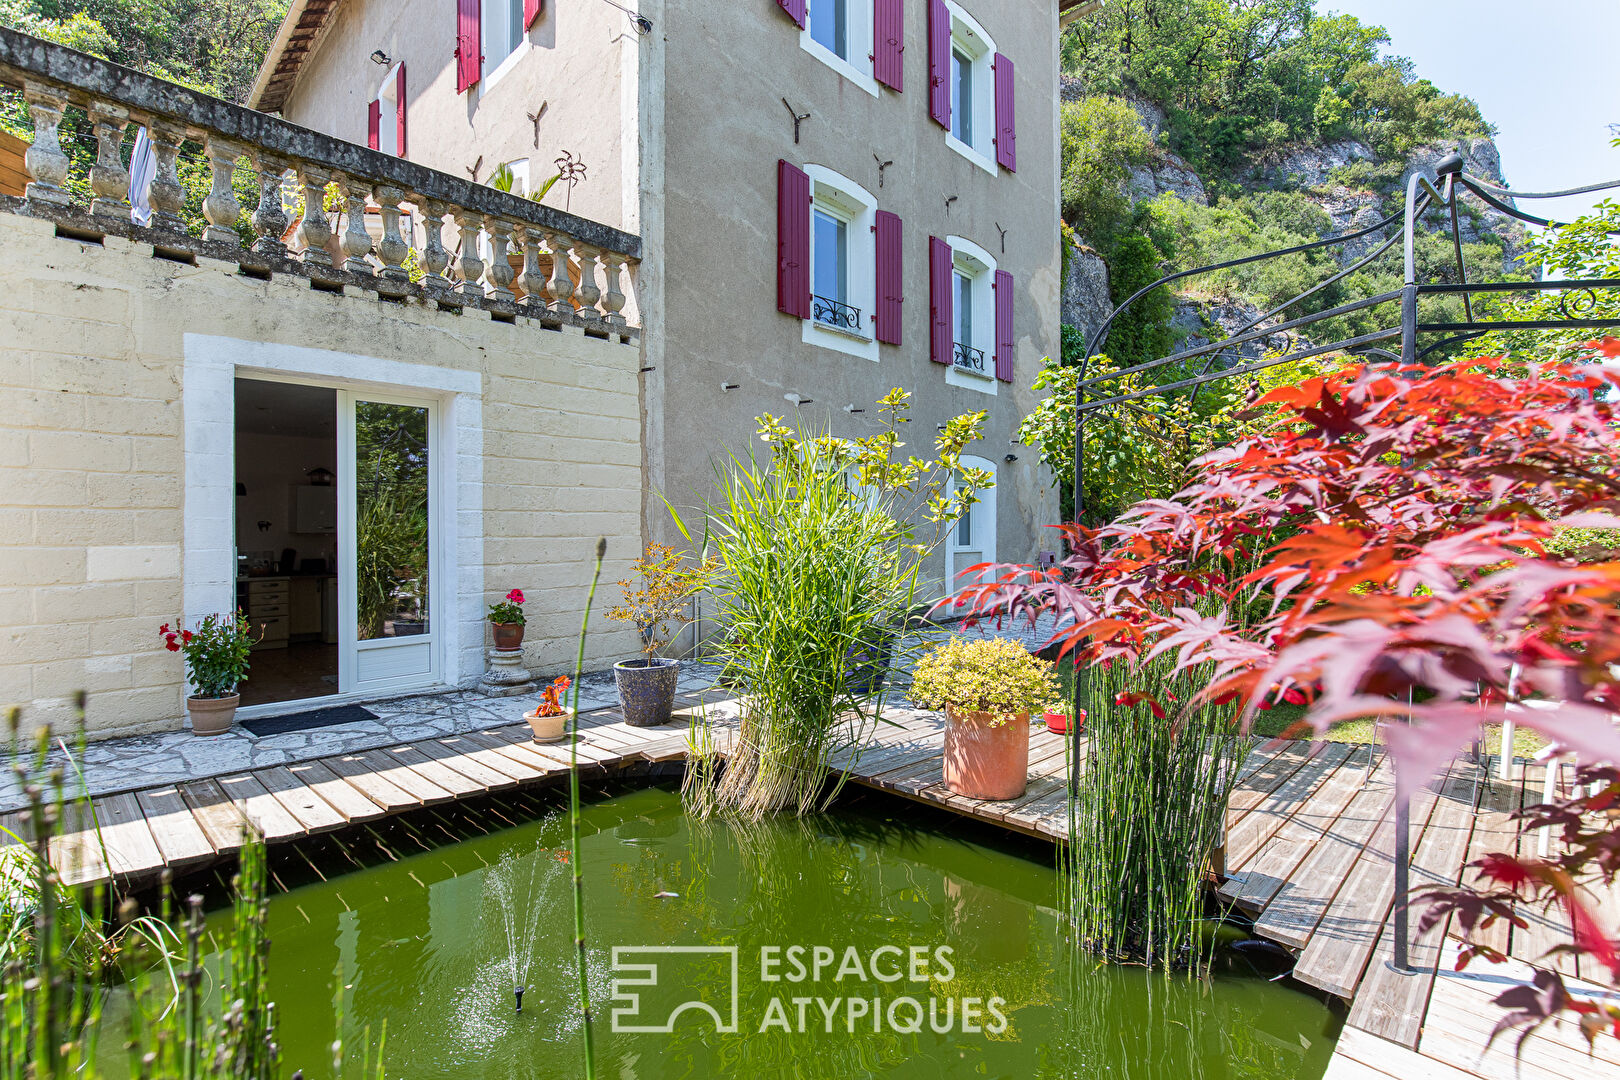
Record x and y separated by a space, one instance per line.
1010 458
380 57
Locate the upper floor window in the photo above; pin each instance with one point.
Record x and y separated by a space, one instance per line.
843 264
503 36
829 25
973 89
973 317
829 260
840 34
962 95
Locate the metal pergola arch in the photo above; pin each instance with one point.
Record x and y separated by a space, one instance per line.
1440 192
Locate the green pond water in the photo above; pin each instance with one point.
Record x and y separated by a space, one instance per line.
922 921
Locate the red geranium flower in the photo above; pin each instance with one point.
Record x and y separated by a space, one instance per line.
516 596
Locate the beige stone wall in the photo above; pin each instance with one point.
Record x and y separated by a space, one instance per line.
573 66
92 457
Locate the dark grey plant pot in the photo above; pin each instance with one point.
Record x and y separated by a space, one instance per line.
866 666
646 690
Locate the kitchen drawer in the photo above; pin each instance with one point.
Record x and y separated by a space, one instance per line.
263 610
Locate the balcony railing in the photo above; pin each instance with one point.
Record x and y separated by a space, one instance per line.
430 231
835 313
968 358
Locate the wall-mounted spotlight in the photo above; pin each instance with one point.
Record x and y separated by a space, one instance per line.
380 57
1010 458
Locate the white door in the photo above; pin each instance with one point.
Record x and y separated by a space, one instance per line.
389 584
973 537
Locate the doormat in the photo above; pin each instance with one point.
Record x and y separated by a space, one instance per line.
312 718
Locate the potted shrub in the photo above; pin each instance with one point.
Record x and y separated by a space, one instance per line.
506 621
216 664
549 719
1057 719
987 687
657 601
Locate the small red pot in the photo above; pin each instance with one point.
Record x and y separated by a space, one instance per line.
1057 722
985 761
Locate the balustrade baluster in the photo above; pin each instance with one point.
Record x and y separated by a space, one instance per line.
270 218
500 265
392 249
613 299
109 180
535 287
314 227
588 293
562 286
221 207
469 266
356 240
47 165
434 256
166 195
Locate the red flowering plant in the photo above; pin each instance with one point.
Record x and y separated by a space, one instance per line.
551 697
216 653
1382 550
510 610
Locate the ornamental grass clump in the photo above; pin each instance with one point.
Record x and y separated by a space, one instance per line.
989 675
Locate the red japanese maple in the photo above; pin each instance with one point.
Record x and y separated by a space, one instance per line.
1380 552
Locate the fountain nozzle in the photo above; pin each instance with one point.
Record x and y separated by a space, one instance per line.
517 992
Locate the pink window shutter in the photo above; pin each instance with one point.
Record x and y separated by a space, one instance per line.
941 302
792 240
374 124
796 10
531 12
399 109
889 43
469 45
891 281
1004 326
939 63
1006 120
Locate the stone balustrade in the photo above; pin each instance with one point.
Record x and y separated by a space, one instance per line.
343 215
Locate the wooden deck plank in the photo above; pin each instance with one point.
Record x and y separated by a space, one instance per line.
219 818
1385 1059
128 846
1390 1004
457 785
475 763
75 847
1337 952
1546 927
175 829
1494 830
314 813
364 777
272 820
1293 912
1258 879
1251 831
522 753
337 792
1268 773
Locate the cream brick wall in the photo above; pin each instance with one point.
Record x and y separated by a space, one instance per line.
92 441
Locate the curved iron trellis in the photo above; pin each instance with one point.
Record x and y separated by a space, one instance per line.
1423 192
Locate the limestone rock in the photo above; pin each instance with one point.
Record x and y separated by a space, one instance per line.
1086 303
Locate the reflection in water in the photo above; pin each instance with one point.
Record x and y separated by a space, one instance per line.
433 944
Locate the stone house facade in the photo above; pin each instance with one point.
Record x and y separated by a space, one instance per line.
837 198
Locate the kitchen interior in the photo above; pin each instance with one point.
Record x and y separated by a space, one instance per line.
286 538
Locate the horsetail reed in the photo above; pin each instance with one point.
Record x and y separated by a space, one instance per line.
573 819
1148 810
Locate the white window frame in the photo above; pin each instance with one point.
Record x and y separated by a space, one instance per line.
853 204
387 99
983 523
968 37
859 28
489 12
978 264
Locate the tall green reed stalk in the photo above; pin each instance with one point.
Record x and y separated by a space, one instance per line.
1149 808
810 574
573 820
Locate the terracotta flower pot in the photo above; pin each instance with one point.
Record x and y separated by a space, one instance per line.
549 729
508 635
212 715
984 761
646 690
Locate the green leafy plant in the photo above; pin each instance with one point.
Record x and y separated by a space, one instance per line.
216 653
391 554
992 675
658 599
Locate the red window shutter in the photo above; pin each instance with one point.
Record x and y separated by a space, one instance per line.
531 12
889 43
1004 326
796 10
374 124
399 110
939 63
469 45
1006 128
941 302
792 240
891 281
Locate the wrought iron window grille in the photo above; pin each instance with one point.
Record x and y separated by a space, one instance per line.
835 313
968 358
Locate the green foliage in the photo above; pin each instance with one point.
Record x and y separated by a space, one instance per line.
1583 248
993 675
1236 79
1142 331
216 653
1101 138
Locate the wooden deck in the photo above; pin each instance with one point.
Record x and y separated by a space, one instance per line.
1309 856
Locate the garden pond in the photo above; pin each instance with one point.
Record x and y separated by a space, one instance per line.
880 939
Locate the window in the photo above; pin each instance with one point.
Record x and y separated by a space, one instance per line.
843 264
388 113
829 26
973 540
973 87
839 33
973 317
503 36
964 529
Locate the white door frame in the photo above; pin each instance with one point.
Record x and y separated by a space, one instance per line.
208 402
